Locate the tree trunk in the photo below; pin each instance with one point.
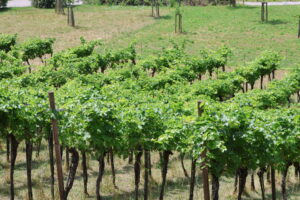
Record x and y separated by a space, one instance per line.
59 9
252 182
233 3
72 171
29 66
67 164
108 157
100 175
182 165
51 162
268 175
37 155
146 176
199 77
13 155
193 177
243 172
7 148
113 172
153 72
273 74
130 158
236 181
273 182
137 172
215 187
283 182
296 166
28 168
84 173
150 165
260 174
166 155
261 82
61 151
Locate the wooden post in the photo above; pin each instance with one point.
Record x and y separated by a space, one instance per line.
71 19
299 28
152 6
262 11
157 8
59 9
273 182
203 165
180 23
176 15
68 14
57 147
193 177
267 12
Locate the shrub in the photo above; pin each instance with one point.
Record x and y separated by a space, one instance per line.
3 3
43 3
7 42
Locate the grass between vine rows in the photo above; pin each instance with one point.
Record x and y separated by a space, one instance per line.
177 185
208 27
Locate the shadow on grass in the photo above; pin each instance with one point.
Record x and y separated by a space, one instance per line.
290 192
165 17
3 10
34 165
241 7
178 185
276 22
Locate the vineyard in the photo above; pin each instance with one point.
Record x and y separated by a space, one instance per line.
242 122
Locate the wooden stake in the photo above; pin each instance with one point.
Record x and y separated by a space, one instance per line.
299 28
203 165
180 23
176 23
267 12
262 11
71 19
57 147
273 182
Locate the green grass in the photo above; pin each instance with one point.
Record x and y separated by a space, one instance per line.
208 27
239 28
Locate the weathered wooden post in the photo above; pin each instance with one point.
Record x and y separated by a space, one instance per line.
57 147
178 21
157 8
59 7
152 6
299 28
71 19
262 11
273 183
267 11
203 164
